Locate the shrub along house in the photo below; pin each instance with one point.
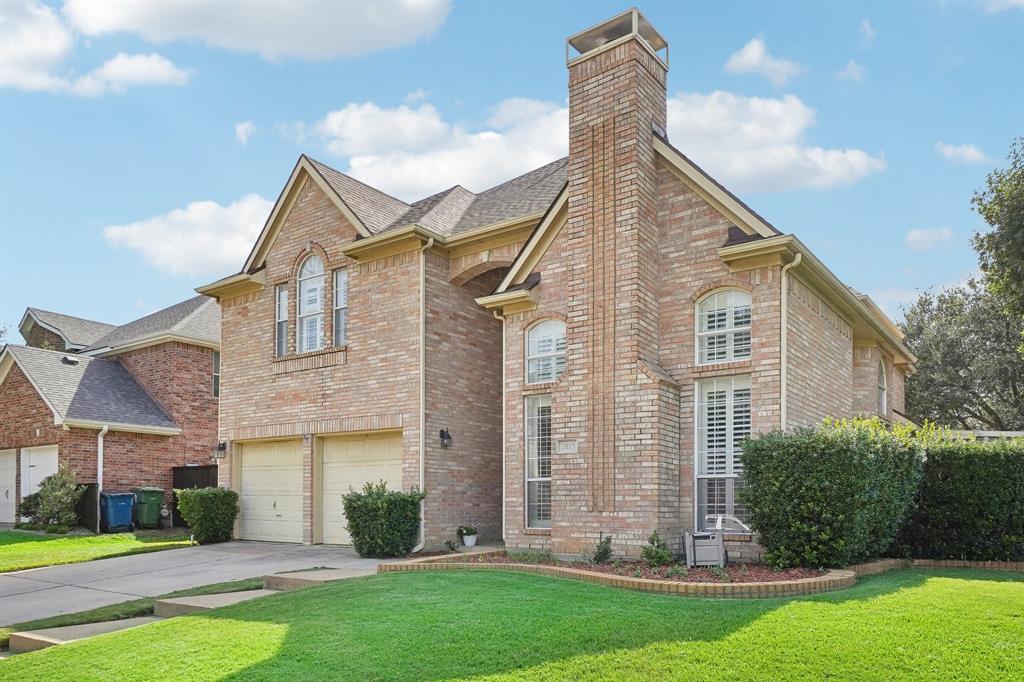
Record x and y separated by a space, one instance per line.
597 337
124 404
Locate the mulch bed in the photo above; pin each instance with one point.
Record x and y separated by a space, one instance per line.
733 573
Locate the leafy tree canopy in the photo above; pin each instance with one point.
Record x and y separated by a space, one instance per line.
1001 249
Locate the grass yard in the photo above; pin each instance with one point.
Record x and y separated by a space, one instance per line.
128 609
498 625
20 550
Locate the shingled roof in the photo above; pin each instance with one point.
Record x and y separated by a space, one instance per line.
197 319
86 389
76 331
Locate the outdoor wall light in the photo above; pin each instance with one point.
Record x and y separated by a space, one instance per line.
446 439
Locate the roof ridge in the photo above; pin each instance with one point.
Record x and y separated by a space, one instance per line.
523 175
83 319
177 325
21 346
354 179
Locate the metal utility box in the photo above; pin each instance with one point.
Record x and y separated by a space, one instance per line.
705 549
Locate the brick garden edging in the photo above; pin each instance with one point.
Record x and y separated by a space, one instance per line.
957 563
833 580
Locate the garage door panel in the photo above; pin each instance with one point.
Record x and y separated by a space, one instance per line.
348 464
271 491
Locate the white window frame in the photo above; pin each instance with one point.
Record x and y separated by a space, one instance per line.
340 307
281 320
558 352
301 315
540 400
216 374
732 469
882 389
731 329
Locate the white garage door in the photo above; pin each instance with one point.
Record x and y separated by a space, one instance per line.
271 491
349 462
36 464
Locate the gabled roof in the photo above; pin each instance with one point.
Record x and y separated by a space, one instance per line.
375 209
88 392
530 193
196 320
77 332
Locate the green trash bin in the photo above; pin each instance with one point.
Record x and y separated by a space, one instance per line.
147 506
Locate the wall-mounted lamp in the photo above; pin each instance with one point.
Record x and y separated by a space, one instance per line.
220 452
446 439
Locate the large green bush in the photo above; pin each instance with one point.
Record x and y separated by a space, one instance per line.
209 512
56 502
970 504
382 522
831 495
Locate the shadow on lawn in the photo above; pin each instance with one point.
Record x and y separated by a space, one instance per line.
497 622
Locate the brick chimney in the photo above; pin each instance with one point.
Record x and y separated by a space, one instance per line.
617 96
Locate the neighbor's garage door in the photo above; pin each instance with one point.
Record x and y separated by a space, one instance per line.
271 491
349 462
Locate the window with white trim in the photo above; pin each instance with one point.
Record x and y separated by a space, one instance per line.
723 422
545 351
538 461
340 307
723 327
216 374
281 321
881 387
310 327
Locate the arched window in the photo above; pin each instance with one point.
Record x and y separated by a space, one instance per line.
723 327
545 351
882 385
310 327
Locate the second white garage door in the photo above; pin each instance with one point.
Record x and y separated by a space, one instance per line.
271 491
349 462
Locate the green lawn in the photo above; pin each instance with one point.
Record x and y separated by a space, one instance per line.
20 550
128 609
456 625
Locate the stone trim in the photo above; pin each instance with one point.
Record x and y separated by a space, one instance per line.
835 579
373 422
317 359
722 283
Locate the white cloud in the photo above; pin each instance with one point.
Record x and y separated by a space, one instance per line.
417 95
306 29
757 143
755 58
961 153
920 239
244 130
204 238
748 143
867 33
34 43
852 72
997 6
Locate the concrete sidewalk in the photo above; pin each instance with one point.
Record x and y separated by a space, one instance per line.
43 592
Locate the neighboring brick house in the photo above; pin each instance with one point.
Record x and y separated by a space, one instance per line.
597 337
146 391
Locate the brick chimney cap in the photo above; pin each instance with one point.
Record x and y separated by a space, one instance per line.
630 22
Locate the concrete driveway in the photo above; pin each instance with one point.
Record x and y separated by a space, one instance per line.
50 591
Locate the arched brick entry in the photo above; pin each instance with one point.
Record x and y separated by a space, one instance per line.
471 271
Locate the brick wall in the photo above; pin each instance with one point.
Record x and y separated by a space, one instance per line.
820 363
40 337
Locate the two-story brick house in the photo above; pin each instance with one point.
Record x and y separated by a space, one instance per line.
597 337
119 405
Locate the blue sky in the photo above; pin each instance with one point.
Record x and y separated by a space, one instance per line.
141 146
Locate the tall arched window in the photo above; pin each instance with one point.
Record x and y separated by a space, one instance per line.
545 351
723 327
882 386
310 327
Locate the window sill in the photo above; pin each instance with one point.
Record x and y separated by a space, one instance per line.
722 368
537 531
324 357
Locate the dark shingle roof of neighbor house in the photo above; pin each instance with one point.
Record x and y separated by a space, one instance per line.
77 331
454 210
92 389
197 318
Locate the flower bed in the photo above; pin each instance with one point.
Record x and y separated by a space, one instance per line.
733 573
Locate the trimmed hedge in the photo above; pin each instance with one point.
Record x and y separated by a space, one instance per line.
209 512
831 495
970 504
383 523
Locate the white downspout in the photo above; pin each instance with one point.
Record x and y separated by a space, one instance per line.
502 318
423 389
99 472
784 338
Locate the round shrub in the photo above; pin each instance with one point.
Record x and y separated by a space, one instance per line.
970 504
831 495
382 523
209 512
57 500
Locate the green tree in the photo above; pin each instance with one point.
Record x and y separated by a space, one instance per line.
969 373
1001 249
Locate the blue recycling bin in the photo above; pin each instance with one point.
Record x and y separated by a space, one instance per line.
116 512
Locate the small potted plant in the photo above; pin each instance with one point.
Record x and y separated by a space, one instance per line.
468 534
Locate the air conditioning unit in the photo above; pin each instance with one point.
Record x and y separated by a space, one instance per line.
705 549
